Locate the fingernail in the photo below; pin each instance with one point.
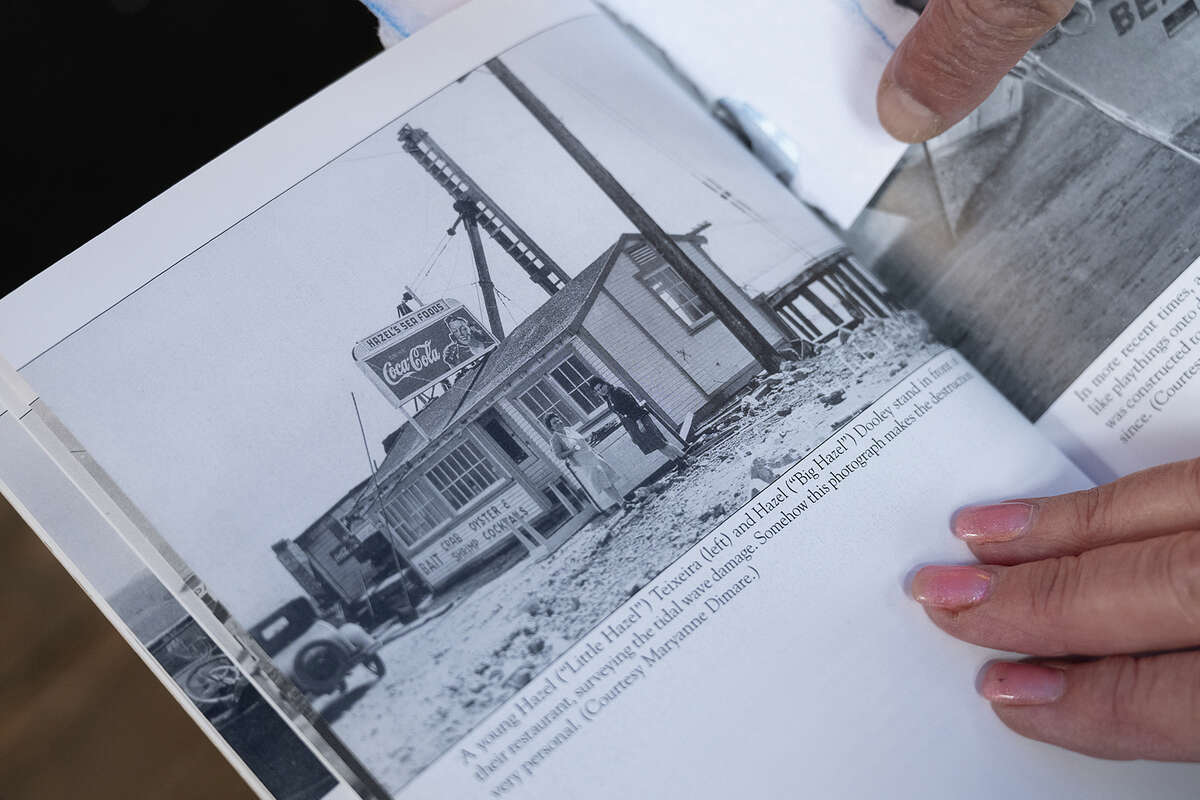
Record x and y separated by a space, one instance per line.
904 116
950 587
1001 522
1016 684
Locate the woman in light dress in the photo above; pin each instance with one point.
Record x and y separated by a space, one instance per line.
589 467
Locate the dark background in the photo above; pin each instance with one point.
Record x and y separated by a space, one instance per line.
107 103
110 102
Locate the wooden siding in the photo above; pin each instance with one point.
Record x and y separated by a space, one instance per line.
540 467
680 368
476 534
348 576
631 464
430 456
668 383
512 395
758 318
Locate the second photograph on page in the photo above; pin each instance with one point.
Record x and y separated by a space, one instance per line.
1032 234
432 414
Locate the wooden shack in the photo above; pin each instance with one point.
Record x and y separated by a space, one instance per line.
473 472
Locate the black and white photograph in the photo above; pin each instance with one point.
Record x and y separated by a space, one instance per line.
1034 232
502 362
219 690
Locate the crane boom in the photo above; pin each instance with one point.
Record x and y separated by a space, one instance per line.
489 217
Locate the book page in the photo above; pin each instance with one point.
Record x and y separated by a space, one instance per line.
1138 404
1052 241
522 435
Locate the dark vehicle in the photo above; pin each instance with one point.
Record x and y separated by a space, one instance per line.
250 726
764 138
314 653
391 599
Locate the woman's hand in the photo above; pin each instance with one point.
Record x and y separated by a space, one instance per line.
953 58
1103 588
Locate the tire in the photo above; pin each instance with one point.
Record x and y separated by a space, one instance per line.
320 667
375 664
211 682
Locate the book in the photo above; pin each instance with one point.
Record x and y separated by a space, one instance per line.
497 423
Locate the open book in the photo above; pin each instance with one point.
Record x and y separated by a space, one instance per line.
496 424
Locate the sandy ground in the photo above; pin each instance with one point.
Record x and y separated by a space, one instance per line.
446 676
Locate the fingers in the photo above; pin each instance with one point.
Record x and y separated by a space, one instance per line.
953 58
1146 504
1113 708
1125 598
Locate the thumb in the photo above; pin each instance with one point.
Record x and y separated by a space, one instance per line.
953 58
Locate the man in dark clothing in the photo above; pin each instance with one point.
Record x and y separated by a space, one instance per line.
637 420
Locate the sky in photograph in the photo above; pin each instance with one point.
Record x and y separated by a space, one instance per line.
219 396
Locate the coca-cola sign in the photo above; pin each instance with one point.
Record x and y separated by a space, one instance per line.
422 348
421 356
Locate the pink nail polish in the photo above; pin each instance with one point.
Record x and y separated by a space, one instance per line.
1001 522
950 587
1015 684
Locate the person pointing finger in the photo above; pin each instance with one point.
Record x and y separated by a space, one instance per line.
954 57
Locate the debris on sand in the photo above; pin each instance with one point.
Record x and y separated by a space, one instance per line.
846 419
833 398
518 679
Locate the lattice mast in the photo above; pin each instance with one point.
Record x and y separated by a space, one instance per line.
478 212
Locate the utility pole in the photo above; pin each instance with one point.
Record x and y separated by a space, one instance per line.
672 253
470 218
400 561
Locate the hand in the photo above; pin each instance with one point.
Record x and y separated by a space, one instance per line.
953 58
1111 575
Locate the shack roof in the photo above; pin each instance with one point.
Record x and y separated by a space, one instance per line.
558 315
561 314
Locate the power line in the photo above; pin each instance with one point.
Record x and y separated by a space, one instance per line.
478 301
438 249
504 302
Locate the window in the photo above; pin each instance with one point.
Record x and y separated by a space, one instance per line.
564 391
504 439
678 296
572 376
542 398
413 512
463 475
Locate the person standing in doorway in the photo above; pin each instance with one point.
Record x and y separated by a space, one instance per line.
589 467
638 421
